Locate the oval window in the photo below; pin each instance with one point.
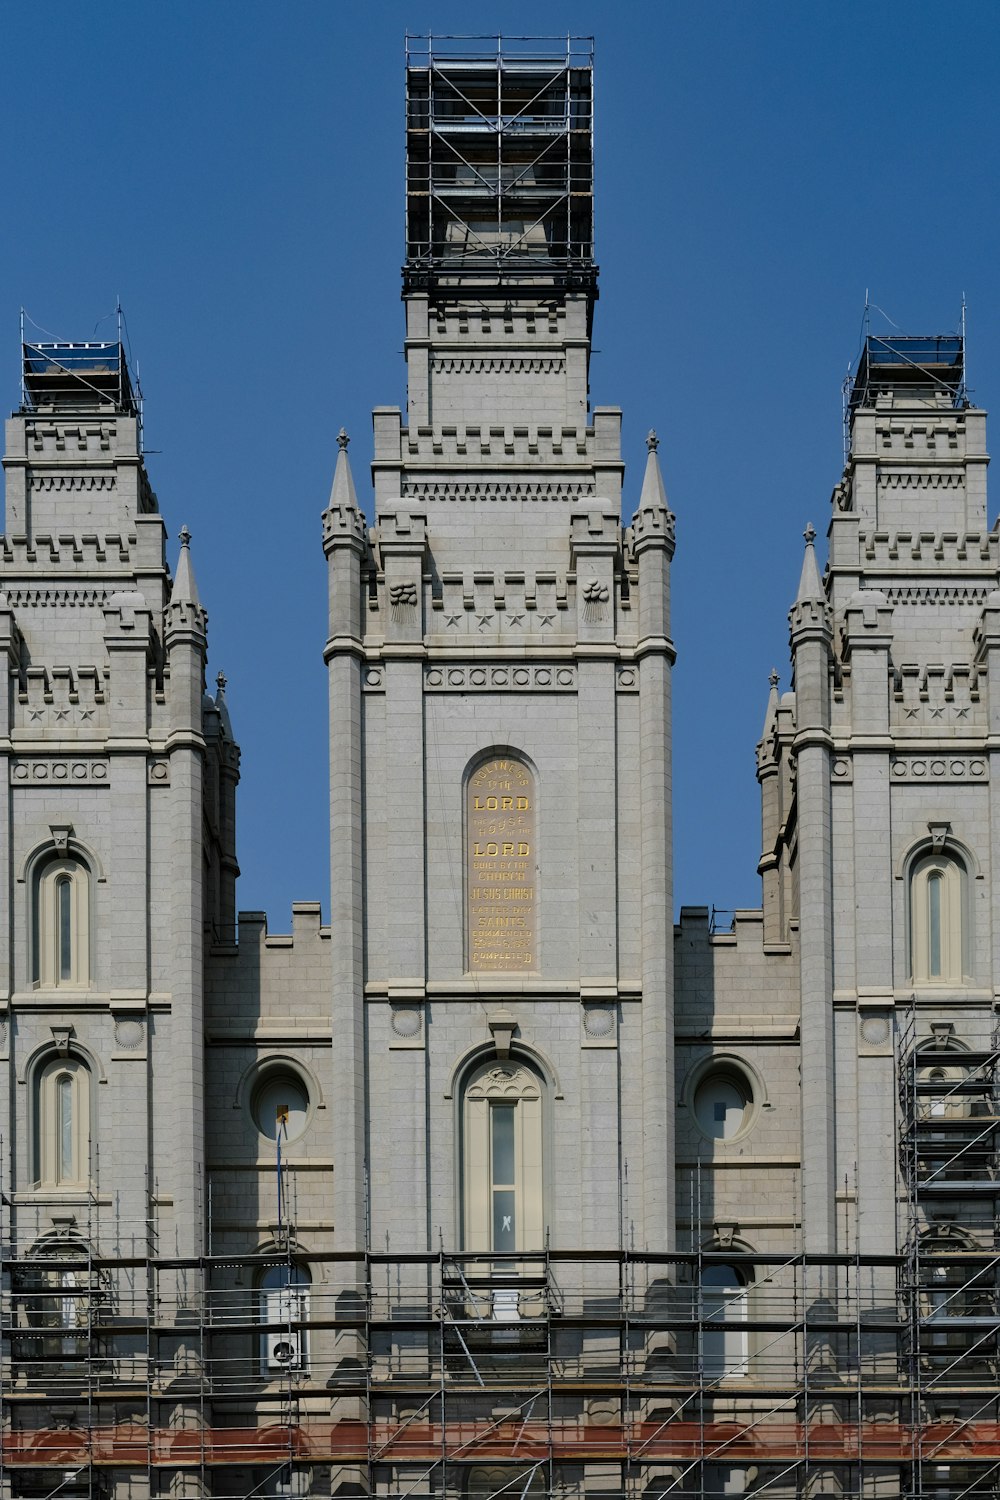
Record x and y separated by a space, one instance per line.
281 1106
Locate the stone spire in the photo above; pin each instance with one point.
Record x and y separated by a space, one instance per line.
810 612
185 590
221 707
343 493
810 583
771 713
185 613
766 743
653 515
654 493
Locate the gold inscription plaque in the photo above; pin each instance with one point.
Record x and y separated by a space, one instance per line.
500 867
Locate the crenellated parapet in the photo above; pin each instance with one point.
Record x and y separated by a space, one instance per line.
897 551
344 526
500 462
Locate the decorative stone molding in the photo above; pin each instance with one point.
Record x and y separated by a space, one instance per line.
49 435
600 1026
59 598
158 773
627 679
874 1033
62 771
939 832
596 596
509 490
73 482
344 523
502 1024
650 524
406 1021
930 768
937 594
61 1037
893 479
406 1026
533 364
724 1236
130 1035
507 679
402 595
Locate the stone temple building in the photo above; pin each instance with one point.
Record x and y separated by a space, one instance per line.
500 1184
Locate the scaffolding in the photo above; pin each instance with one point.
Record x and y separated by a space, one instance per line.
448 1374
949 1138
64 377
499 164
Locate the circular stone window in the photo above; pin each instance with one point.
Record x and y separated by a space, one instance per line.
280 1105
723 1104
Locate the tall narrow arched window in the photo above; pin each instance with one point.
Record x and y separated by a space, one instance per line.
502 1152
938 936
724 1348
62 1123
56 1290
60 925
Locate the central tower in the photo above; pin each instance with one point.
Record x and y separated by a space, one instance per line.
499 658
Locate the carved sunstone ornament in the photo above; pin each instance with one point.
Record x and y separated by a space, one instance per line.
500 867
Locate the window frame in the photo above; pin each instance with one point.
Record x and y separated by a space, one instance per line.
269 1073
725 1352
57 1294
937 898
743 1076
490 1084
60 923
49 1098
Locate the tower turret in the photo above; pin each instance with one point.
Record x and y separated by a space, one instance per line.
500 662
105 756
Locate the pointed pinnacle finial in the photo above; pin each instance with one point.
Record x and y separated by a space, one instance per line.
185 537
810 583
771 712
342 492
652 441
220 682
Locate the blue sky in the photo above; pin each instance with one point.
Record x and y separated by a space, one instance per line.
234 173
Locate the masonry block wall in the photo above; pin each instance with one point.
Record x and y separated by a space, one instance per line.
117 834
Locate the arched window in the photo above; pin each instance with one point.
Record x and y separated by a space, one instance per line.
957 1298
938 939
57 1292
502 1153
284 1312
724 1348
62 1123
60 924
